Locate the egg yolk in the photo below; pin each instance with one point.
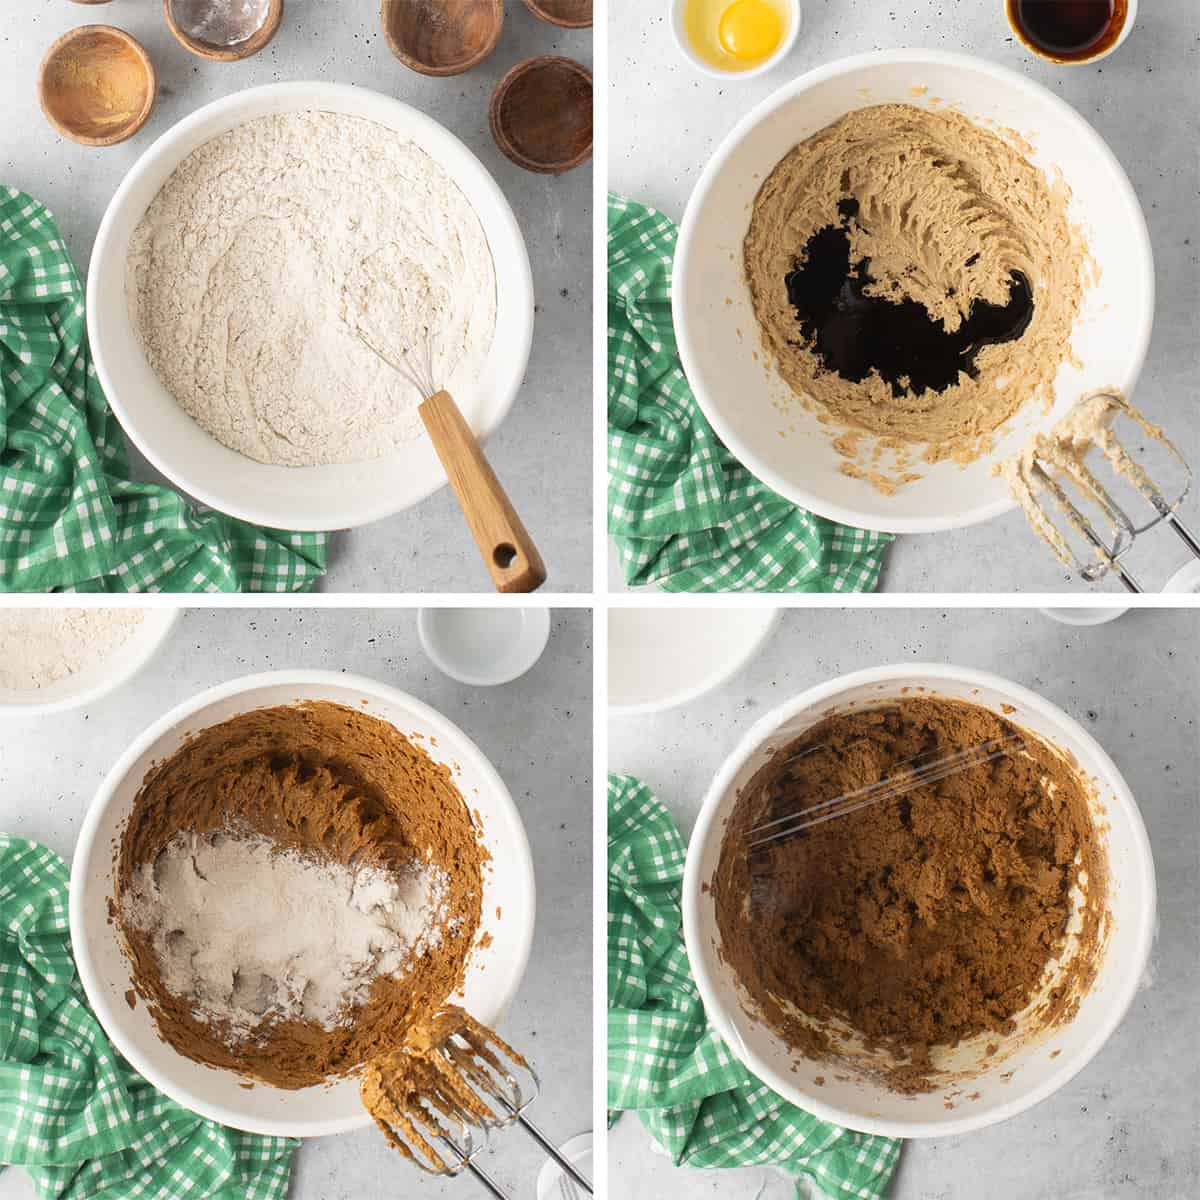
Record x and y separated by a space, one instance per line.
750 29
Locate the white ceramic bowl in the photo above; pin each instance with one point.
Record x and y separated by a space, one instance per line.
663 657
494 971
749 405
299 498
98 679
484 647
675 14
1040 1063
1084 616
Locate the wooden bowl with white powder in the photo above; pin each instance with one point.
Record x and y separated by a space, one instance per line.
55 659
235 351
496 958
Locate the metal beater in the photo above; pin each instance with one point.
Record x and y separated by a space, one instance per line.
1054 463
440 1096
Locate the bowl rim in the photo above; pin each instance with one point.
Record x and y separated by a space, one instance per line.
675 14
678 697
84 846
917 57
168 619
353 511
705 828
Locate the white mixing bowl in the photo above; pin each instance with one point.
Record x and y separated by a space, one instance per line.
1039 1062
97 679
494 971
754 411
300 498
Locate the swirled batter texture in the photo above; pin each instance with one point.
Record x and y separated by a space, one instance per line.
322 781
922 919
939 212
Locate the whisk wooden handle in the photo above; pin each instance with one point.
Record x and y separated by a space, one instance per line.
507 549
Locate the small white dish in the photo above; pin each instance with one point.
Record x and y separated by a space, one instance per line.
1131 9
662 657
550 1181
676 9
484 646
1186 579
97 679
1083 616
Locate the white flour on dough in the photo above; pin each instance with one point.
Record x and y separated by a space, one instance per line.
41 645
273 250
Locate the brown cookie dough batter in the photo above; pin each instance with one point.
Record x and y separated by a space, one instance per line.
946 214
322 779
919 921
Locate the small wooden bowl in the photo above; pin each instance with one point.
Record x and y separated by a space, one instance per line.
97 85
214 51
442 37
569 14
541 114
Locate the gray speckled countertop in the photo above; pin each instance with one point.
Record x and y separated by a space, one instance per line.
667 120
537 732
1125 1127
542 453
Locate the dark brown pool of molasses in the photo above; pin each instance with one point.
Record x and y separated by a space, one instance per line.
1068 30
854 333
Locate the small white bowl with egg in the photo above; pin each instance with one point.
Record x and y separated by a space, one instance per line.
735 39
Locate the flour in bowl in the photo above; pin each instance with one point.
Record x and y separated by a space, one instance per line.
276 252
41 645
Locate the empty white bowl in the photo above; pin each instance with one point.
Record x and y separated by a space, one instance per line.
329 497
484 647
1040 1063
494 970
662 657
758 416
98 679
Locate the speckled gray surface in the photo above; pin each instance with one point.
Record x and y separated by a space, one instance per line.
667 119
537 732
1125 1127
542 453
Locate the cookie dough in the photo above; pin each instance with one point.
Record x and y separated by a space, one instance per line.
318 779
939 212
921 920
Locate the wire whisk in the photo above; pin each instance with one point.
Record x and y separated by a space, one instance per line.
921 774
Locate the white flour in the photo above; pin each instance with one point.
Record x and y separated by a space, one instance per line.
267 253
252 933
41 645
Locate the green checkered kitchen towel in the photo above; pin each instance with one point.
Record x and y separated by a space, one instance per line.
72 1112
685 514
70 516
665 1063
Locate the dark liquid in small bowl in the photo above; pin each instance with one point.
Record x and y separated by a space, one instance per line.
1068 30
